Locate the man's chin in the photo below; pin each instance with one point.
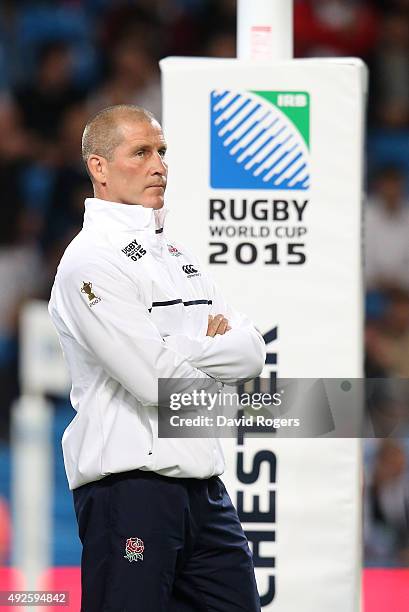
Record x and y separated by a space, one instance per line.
155 204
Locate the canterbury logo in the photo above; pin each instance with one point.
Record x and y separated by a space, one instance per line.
189 269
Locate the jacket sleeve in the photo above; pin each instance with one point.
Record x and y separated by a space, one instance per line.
238 355
111 322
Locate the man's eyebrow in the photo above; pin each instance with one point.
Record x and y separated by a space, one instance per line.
145 144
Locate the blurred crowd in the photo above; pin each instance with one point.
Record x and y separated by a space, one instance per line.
60 62
386 503
63 60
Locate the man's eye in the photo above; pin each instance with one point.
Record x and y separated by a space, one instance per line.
162 152
140 153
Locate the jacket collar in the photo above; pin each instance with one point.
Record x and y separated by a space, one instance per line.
114 216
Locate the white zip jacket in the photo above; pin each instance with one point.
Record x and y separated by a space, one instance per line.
131 307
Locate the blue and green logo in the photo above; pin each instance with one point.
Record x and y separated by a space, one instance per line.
260 140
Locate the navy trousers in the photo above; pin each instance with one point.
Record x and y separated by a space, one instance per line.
158 544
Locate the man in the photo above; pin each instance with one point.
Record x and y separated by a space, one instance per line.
386 232
158 529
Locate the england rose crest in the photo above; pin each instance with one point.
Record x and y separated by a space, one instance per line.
134 548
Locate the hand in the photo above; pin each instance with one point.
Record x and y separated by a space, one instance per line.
217 325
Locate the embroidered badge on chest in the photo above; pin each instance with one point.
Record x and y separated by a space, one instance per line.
134 548
134 250
174 251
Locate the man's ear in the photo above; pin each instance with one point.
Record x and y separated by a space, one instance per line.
97 166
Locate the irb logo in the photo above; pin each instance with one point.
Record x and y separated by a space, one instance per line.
260 140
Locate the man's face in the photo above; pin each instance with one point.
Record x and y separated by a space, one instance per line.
137 173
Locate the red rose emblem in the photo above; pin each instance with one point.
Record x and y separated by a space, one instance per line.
134 545
134 548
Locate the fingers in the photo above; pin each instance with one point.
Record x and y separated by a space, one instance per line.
222 326
217 325
212 326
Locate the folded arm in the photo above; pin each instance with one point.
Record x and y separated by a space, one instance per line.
114 326
237 355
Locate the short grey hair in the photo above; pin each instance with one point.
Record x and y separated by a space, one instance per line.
101 135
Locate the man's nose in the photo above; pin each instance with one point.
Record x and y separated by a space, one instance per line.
159 165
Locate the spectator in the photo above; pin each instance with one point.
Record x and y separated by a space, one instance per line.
335 27
44 101
390 73
386 531
222 43
387 408
133 79
377 360
71 184
136 21
387 232
21 277
15 144
42 106
387 340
